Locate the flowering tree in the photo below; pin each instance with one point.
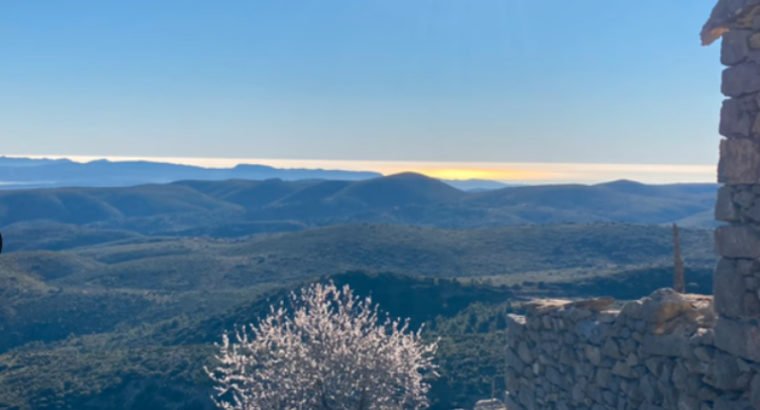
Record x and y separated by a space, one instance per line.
329 352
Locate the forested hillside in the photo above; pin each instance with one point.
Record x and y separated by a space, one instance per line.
131 320
237 208
115 295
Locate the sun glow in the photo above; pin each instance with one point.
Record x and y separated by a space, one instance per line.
484 173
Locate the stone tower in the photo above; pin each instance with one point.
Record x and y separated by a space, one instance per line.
737 277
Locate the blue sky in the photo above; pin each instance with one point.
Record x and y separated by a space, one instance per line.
587 81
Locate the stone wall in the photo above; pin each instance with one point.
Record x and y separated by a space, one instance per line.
656 353
737 277
668 351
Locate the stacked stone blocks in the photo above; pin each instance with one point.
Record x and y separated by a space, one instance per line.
656 353
737 277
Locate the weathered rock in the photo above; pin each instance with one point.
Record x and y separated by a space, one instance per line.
704 354
515 321
727 353
670 345
593 354
611 349
578 394
755 391
648 389
659 352
741 79
739 162
663 305
738 117
732 403
491 404
725 210
724 373
589 330
739 338
633 309
755 131
543 305
750 304
743 195
524 352
728 15
728 284
738 242
735 47
623 370
595 304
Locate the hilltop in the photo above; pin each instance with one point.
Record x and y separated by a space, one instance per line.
237 208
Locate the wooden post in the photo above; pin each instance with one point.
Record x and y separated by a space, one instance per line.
679 281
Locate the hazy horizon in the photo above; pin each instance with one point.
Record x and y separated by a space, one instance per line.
507 172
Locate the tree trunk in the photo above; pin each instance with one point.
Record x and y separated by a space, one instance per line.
679 281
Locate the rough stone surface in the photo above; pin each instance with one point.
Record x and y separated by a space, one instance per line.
728 284
725 209
729 15
739 204
738 117
739 338
754 396
492 404
742 79
662 352
738 242
735 47
739 162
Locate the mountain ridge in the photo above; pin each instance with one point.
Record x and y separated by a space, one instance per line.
253 205
40 173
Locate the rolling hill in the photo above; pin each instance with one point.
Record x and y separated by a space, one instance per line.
237 208
141 280
131 321
113 295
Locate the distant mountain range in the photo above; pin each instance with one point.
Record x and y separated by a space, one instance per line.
56 173
26 172
236 208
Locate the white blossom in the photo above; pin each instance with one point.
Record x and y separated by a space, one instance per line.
329 351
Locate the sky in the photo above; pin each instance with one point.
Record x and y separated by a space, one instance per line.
465 85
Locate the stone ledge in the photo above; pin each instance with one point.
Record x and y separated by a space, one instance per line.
729 15
663 351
